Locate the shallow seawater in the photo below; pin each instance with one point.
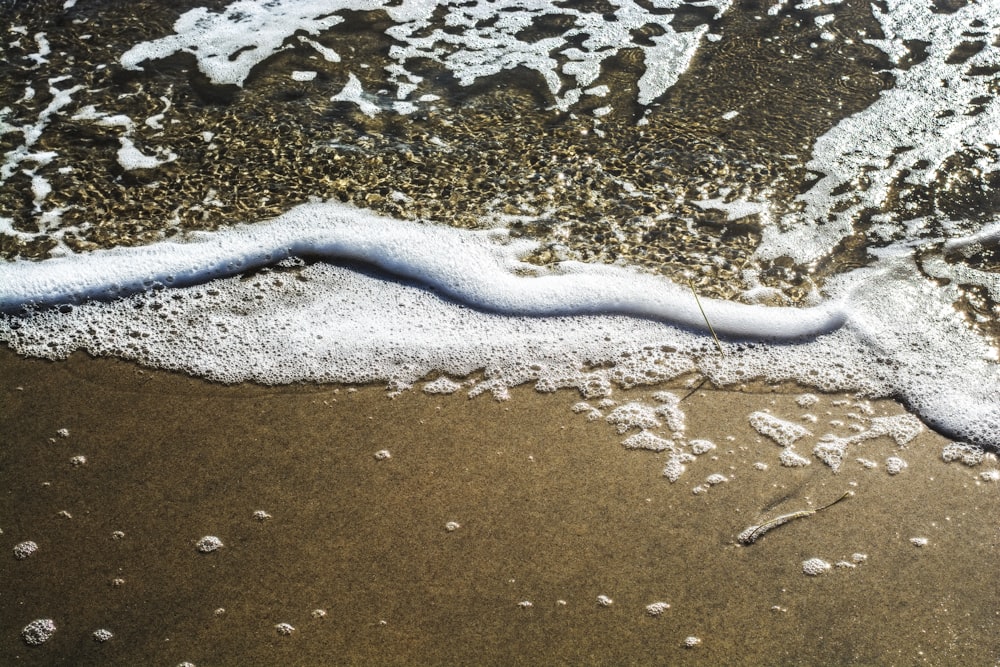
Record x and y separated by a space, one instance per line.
576 161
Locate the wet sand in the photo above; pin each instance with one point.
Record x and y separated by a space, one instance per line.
552 510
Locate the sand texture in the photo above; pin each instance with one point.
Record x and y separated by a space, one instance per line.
432 554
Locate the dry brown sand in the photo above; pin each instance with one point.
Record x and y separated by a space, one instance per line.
552 510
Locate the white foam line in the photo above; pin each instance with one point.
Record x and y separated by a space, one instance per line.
988 234
478 268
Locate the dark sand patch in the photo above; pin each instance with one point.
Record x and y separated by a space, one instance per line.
550 508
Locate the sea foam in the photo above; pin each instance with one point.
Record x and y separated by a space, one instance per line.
397 302
229 43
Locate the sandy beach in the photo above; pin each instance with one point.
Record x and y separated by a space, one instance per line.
549 512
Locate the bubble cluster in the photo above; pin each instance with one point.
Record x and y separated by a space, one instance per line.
815 567
208 544
647 440
895 465
792 459
781 431
24 549
970 455
38 631
657 608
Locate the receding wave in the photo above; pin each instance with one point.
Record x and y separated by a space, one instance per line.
439 300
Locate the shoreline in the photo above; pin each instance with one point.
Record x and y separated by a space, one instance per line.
550 507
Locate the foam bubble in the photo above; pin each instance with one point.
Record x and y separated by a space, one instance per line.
38 631
815 567
208 544
284 629
102 635
895 465
792 459
701 446
24 549
807 400
657 608
604 601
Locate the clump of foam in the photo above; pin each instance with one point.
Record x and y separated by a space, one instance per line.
633 415
593 414
670 410
443 385
792 459
895 465
657 608
38 631
782 432
675 465
208 544
970 455
24 549
647 440
902 428
815 567
701 446
807 400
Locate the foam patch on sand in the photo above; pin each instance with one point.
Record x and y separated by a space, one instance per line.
436 300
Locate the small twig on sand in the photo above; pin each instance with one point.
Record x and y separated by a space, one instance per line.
754 533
